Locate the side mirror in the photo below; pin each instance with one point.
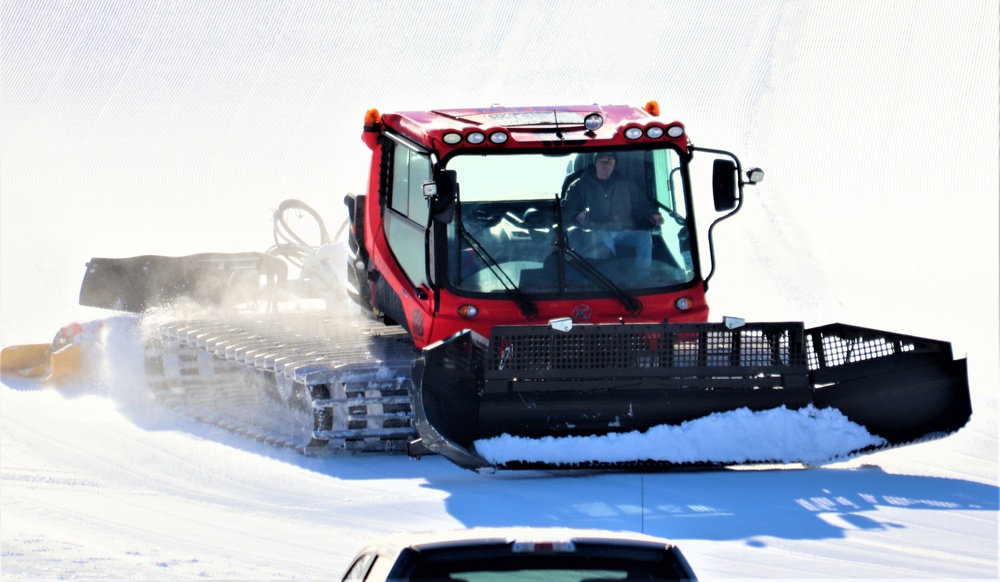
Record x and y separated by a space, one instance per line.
441 194
724 184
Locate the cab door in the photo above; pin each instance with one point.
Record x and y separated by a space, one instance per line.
405 218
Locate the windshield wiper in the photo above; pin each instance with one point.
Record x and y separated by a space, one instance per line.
632 305
526 305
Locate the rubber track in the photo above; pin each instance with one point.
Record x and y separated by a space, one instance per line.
310 382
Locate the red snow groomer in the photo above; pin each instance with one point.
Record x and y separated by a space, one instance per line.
531 272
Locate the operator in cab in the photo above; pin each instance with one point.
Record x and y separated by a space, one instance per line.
614 214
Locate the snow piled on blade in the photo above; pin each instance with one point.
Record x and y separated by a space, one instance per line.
808 435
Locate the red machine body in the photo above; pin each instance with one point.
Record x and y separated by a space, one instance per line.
432 313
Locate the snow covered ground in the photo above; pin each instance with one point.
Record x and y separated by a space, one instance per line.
131 128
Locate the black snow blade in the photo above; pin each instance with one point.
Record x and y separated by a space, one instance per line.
537 382
902 388
136 284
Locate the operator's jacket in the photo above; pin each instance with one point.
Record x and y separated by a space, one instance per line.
612 204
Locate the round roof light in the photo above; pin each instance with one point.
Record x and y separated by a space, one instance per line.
498 137
372 117
593 122
675 130
654 132
475 137
633 133
452 138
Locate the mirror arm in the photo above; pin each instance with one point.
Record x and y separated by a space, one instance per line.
739 204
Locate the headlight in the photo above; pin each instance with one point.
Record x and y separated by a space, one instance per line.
633 133
498 137
675 131
452 138
654 132
593 122
475 137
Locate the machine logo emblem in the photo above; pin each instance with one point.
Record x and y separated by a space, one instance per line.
582 312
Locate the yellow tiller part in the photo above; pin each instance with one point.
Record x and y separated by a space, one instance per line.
47 362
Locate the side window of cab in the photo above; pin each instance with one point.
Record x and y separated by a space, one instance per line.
408 211
409 171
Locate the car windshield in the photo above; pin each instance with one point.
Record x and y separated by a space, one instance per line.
622 214
595 563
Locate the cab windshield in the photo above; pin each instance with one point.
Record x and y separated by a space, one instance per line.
575 223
